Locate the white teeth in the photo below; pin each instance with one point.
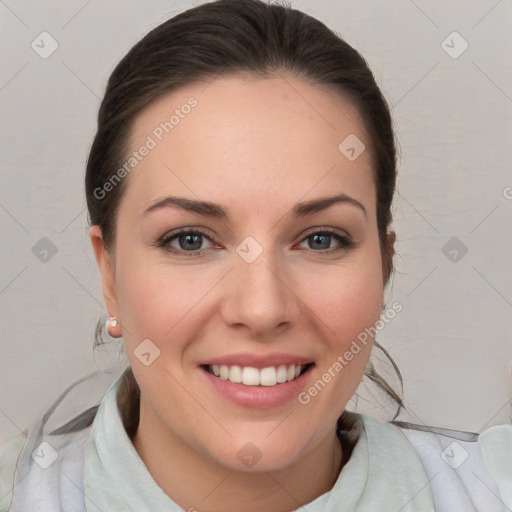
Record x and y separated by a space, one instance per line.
250 376
268 377
281 373
235 374
224 372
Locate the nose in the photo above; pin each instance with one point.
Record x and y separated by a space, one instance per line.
260 299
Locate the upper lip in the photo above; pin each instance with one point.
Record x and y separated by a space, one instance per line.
257 360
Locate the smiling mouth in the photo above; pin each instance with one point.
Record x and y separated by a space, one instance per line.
250 376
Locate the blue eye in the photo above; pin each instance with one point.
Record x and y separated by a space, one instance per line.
322 240
190 242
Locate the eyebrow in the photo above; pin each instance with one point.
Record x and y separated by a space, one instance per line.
219 212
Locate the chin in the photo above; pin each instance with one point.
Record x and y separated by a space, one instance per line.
259 455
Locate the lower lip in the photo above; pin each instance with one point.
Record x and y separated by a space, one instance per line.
258 397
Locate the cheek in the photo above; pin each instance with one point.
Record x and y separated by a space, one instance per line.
348 304
347 298
152 297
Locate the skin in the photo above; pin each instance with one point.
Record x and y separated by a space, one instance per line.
256 146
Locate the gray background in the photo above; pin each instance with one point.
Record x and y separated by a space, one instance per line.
452 340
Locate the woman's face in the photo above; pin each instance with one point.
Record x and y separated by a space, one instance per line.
271 278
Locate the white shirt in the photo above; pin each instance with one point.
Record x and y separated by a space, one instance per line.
391 468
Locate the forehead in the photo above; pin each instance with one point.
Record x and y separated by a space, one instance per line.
249 140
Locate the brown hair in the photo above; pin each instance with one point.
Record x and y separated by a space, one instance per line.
228 37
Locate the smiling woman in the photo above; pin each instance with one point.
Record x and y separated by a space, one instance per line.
244 257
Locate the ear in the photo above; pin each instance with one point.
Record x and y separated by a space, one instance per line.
387 257
107 270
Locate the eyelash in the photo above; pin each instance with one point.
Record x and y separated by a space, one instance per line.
345 241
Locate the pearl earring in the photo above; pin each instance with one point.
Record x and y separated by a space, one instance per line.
110 322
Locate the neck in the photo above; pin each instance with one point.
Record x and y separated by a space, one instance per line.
197 482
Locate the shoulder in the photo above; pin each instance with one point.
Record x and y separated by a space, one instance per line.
479 464
40 465
456 446
465 470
